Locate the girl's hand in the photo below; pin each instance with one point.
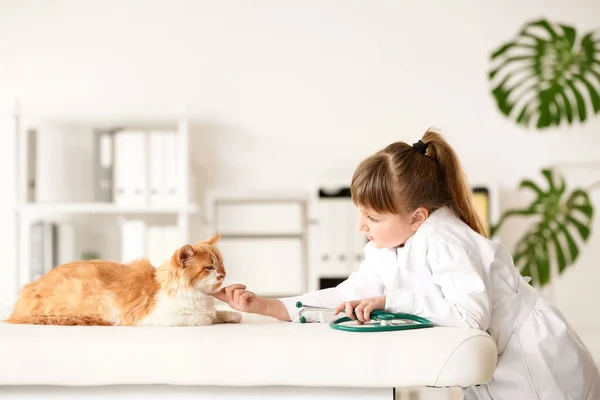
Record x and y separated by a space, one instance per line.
362 308
238 298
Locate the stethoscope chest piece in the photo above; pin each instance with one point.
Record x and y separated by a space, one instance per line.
385 319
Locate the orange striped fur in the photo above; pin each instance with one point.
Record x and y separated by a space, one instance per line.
100 292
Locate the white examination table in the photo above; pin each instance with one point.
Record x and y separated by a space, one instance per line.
259 358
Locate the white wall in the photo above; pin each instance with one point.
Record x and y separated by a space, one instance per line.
289 92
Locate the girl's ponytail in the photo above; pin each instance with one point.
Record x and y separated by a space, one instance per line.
458 189
400 178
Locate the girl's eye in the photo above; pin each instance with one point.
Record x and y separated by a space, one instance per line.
371 219
209 267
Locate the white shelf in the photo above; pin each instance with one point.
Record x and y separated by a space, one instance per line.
26 211
224 196
103 208
99 119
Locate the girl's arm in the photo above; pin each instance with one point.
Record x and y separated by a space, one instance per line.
466 296
276 309
363 283
238 298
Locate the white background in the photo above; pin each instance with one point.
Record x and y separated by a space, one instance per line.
286 93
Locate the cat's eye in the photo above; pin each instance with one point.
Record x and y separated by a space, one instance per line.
209 267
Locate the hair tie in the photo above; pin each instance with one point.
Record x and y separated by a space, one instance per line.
420 146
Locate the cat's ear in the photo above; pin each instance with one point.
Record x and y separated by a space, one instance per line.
212 240
185 253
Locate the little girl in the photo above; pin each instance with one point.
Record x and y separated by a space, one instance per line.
428 255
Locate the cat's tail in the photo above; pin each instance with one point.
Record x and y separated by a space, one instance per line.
57 320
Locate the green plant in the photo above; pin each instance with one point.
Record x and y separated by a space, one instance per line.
90 255
549 73
561 217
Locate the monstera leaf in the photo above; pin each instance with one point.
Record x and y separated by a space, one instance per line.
563 222
547 75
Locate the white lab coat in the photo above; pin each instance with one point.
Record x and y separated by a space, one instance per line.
452 276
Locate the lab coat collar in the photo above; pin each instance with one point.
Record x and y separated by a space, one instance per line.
432 220
435 218
437 215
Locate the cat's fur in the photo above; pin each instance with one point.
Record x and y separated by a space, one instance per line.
98 292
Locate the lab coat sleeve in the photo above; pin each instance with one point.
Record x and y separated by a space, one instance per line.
363 283
464 300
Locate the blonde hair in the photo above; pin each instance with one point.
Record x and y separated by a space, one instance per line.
401 178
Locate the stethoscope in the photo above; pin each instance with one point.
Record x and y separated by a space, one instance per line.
382 321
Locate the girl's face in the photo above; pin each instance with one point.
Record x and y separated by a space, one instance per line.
389 230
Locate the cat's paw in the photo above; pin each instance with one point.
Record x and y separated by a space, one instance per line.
229 317
197 320
205 320
235 317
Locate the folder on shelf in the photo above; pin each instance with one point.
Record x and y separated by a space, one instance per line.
103 165
172 175
37 254
133 240
66 243
158 165
52 244
31 167
162 242
155 239
130 168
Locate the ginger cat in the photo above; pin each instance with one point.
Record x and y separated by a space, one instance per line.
177 293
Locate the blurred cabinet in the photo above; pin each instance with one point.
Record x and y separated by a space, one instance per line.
336 243
263 240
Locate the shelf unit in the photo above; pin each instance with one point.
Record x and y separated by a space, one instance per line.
102 208
336 246
26 211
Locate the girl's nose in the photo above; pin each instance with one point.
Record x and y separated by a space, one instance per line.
362 227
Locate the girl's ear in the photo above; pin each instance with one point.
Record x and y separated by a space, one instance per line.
419 216
185 254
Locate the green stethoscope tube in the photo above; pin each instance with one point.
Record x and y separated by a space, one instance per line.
382 319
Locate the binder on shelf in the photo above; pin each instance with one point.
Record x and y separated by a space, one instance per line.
52 244
133 240
162 242
103 165
157 168
31 167
37 267
130 168
66 243
155 239
172 174
172 239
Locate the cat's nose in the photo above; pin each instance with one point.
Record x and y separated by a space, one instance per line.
220 277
